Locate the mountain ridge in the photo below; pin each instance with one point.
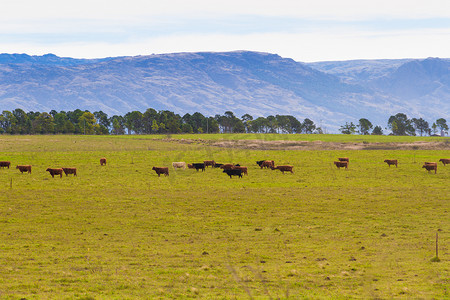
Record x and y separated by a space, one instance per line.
258 83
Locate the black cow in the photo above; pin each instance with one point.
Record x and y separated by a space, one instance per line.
199 166
233 173
217 165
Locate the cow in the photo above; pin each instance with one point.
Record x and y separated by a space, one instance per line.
243 169
68 171
217 165
179 165
102 161
283 168
233 172
5 164
55 171
267 164
391 162
429 166
161 170
199 166
227 166
341 164
209 163
445 161
259 162
190 166
24 168
343 159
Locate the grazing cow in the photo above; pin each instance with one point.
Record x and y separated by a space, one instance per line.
283 168
68 171
391 162
179 165
102 161
267 164
199 166
190 166
209 163
443 160
54 172
233 172
217 165
227 166
429 166
343 159
161 170
25 168
5 164
259 162
243 169
341 164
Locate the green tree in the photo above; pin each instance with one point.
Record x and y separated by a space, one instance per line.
348 128
377 130
87 122
118 126
401 125
421 125
43 124
364 126
442 124
308 126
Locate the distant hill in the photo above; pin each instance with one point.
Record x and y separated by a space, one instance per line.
261 84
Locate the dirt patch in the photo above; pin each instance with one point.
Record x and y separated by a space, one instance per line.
315 145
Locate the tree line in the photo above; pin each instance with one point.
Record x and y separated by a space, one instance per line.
399 124
149 122
167 122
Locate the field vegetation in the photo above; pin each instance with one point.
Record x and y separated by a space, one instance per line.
121 232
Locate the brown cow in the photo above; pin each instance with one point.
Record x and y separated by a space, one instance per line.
445 161
283 168
243 169
343 159
24 168
227 166
209 163
429 166
102 161
5 164
55 171
68 171
341 164
161 170
267 164
391 162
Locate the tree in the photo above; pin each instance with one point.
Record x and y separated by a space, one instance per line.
364 126
377 130
87 122
23 122
43 124
102 119
247 120
134 122
308 126
348 128
401 125
442 124
118 126
421 125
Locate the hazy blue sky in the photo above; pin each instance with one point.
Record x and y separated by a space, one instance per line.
314 30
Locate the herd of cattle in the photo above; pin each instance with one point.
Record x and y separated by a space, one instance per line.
229 169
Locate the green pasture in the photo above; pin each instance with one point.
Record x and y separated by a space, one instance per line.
121 232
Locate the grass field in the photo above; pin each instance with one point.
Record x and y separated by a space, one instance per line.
121 232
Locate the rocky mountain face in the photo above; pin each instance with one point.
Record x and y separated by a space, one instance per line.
261 84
